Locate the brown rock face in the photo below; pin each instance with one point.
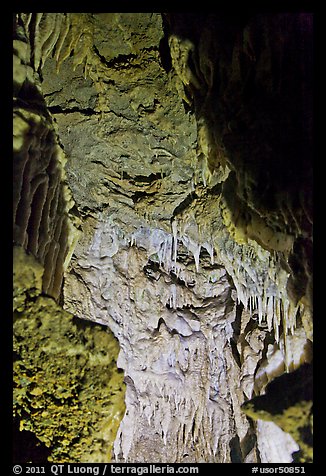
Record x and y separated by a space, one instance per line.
163 183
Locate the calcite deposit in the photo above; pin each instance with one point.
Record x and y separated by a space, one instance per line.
178 147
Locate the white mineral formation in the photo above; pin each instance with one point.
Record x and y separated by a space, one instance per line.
174 323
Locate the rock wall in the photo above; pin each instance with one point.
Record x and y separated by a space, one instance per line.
174 330
67 389
41 198
191 176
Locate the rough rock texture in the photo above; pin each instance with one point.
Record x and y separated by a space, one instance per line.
188 158
181 402
66 386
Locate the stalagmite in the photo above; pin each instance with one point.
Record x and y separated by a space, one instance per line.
269 313
175 241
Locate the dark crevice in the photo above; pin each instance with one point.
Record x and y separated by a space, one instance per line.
160 322
216 190
111 63
235 450
176 280
139 195
86 112
249 441
32 28
236 326
27 447
121 61
152 270
193 428
184 434
143 178
184 204
113 186
53 93
165 55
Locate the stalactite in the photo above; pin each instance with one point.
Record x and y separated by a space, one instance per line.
259 281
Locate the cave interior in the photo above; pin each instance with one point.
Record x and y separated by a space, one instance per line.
162 237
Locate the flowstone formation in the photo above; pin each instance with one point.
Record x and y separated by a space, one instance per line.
191 249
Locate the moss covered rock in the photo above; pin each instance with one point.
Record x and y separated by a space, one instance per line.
67 388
